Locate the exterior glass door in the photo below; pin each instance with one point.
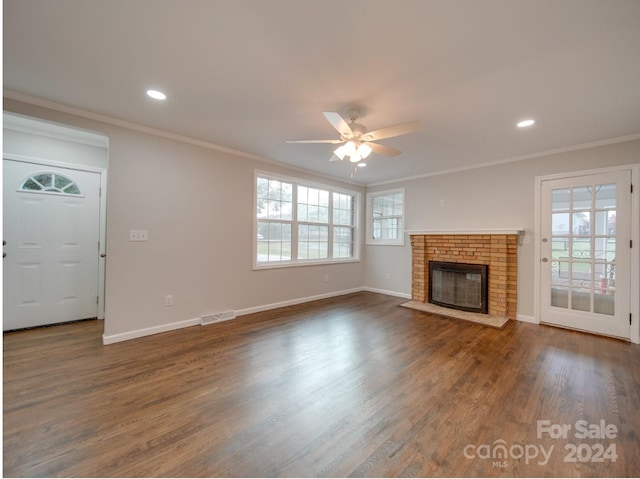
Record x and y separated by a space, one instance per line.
585 253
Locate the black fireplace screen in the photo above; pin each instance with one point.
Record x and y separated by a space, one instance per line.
459 285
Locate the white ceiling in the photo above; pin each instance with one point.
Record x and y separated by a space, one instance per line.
250 74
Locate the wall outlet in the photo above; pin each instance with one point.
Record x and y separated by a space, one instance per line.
138 235
326 278
168 300
387 276
443 202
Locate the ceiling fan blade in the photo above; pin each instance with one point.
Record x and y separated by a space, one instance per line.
338 123
383 149
333 142
395 130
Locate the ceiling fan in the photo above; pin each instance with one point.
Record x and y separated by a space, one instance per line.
356 143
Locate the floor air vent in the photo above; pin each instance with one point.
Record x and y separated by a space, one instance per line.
217 317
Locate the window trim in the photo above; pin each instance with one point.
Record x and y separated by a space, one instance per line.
369 227
294 223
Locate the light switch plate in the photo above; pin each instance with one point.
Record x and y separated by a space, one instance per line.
138 235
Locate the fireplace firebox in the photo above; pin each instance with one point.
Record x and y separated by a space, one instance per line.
460 286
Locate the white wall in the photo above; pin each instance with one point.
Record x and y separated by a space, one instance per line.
201 252
197 205
500 196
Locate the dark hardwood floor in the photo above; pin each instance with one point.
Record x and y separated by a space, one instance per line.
351 386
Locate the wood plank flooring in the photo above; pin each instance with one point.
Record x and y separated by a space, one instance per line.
352 386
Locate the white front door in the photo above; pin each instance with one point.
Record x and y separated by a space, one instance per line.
51 234
585 252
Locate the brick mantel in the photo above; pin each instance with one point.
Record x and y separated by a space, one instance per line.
498 251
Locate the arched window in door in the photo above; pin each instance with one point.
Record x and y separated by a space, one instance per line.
50 183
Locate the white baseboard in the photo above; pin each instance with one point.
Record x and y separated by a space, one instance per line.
139 333
163 328
387 292
291 302
527 319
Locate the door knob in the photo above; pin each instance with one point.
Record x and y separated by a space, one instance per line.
103 255
544 260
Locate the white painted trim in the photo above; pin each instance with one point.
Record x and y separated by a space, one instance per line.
387 292
513 159
21 97
537 228
102 261
296 264
163 328
139 333
26 124
54 163
294 221
292 302
526 319
593 171
499 231
13 95
635 256
369 240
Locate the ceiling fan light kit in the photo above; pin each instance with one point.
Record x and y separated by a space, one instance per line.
354 151
363 151
355 142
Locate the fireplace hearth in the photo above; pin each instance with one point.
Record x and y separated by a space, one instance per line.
497 251
459 286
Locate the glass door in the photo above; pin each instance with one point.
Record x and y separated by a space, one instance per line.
585 253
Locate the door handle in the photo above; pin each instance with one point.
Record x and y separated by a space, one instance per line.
544 260
103 255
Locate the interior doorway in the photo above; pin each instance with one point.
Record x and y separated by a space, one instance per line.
54 193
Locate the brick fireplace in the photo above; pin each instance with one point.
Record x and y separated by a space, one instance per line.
497 251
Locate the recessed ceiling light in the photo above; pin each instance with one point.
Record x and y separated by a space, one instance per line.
156 95
525 123
361 165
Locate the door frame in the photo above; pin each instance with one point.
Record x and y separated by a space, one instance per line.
635 238
102 232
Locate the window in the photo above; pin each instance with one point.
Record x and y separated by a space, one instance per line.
50 183
385 214
302 223
275 218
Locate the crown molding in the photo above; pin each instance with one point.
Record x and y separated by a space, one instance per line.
109 120
24 124
514 159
